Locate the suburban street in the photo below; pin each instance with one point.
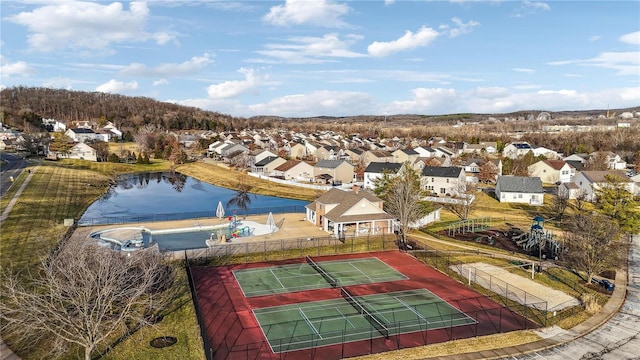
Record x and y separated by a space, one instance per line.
13 167
618 338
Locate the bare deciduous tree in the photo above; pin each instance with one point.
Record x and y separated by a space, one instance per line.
83 296
402 197
463 194
592 244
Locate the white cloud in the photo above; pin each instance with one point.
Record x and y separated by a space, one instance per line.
631 38
423 37
19 68
324 13
536 5
318 103
594 38
624 63
191 66
161 82
498 100
86 25
529 8
312 49
389 2
118 87
524 70
462 28
234 88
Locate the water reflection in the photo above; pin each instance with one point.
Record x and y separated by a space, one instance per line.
177 196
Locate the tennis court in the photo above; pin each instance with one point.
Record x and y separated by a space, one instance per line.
312 275
353 318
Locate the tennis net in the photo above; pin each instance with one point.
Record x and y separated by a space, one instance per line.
333 282
384 331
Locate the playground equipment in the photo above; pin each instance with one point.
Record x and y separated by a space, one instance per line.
538 239
468 226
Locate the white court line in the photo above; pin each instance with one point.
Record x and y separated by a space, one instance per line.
274 275
411 308
345 318
309 323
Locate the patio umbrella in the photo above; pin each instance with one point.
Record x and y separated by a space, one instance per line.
271 223
220 210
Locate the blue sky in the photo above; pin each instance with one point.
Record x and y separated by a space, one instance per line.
323 57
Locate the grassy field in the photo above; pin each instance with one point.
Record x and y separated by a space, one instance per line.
64 189
222 176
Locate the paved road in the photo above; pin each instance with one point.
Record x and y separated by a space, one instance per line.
617 339
14 167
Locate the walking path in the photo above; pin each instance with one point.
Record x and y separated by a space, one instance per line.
5 352
612 333
15 197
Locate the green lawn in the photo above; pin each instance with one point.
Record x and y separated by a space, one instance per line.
64 189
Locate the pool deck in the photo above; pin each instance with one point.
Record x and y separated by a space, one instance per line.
294 226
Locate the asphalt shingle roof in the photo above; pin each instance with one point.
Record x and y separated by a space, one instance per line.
379 167
440 171
519 184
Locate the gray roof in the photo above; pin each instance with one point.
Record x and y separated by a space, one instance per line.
379 167
266 161
439 171
519 184
330 164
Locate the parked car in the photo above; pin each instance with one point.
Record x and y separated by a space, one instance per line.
607 285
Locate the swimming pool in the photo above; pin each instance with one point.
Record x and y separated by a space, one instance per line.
178 239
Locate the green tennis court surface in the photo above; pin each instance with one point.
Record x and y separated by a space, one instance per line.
314 275
328 322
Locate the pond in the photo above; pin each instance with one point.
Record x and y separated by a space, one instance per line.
173 196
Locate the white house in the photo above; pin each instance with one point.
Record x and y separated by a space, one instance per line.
81 134
294 170
520 189
442 181
79 151
375 170
516 149
590 182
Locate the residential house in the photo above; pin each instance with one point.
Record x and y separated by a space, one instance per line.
267 165
405 155
349 212
613 161
543 151
328 152
81 134
442 181
232 148
425 152
520 189
110 127
312 148
473 166
370 156
485 147
54 125
334 171
354 154
552 171
296 150
569 190
375 170
294 170
590 182
79 151
515 150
